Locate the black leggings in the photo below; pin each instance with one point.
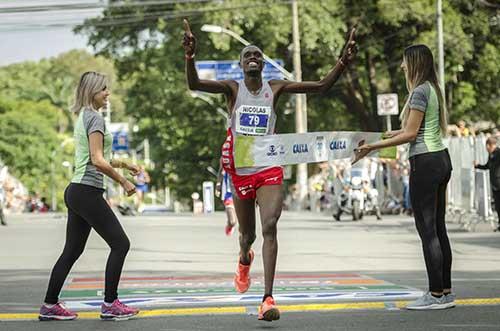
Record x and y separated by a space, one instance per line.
430 173
87 209
496 202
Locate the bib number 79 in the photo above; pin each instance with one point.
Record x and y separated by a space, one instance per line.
253 120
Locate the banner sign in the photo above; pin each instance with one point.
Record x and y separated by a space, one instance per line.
295 148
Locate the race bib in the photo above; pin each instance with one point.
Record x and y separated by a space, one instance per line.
253 120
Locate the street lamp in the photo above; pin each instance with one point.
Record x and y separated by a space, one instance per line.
220 29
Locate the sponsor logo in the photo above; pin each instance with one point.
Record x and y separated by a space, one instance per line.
226 160
320 142
225 153
282 149
226 145
272 179
300 148
338 145
245 189
272 151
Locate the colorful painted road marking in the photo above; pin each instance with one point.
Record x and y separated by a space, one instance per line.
87 293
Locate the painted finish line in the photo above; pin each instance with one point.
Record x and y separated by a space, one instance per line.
198 291
252 299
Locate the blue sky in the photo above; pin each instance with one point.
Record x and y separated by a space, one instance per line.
33 35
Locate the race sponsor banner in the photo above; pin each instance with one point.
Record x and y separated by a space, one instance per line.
295 148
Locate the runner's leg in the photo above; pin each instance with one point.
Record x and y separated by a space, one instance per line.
270 199
245 212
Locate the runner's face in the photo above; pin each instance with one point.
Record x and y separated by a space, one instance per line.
101 98
252 61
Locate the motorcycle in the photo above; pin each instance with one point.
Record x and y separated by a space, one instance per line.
357 198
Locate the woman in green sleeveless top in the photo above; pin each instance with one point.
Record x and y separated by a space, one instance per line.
87 208
424 122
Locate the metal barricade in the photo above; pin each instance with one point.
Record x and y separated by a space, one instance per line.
469 194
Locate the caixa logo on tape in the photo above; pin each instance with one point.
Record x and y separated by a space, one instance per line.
338 144
300 148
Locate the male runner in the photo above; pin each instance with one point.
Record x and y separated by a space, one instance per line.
251 105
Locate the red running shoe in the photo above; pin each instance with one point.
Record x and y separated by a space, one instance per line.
268 310
242 278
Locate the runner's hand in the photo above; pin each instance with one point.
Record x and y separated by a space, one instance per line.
189 42
217 189
128 187
350 48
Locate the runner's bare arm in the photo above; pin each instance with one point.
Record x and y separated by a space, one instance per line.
348 54
194 82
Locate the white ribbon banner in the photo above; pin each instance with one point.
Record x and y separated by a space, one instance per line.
295 148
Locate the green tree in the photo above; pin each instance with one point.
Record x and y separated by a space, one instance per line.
55 80
30 145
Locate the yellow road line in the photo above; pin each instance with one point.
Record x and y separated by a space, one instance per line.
243 310
333 306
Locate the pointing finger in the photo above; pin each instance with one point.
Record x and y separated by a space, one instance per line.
187 28
352 35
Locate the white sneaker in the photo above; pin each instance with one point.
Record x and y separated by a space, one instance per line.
449 300
428 302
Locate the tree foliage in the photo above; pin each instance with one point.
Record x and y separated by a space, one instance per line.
55 79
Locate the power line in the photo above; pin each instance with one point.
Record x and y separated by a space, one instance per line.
95 5
141 19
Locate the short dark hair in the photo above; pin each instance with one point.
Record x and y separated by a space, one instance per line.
491 141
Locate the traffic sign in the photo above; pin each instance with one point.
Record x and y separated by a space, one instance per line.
230 69
387 104
120 136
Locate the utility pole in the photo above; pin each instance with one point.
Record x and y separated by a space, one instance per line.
439 16
300 100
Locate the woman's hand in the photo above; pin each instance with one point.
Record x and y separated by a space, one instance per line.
128 187
361 151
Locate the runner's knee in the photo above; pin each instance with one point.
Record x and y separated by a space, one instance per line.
247 239
270 228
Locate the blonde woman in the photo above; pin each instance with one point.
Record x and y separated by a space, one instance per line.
424 122
86 205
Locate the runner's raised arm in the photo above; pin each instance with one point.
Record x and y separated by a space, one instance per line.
194 82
